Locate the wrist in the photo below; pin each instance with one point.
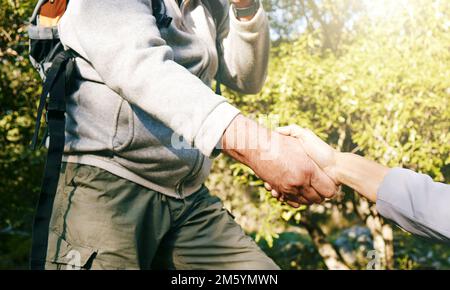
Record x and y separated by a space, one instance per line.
249 143
245 10
338 167
243 3
235 140
361 174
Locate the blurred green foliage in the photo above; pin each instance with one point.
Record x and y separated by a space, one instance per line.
20 169
371 77
379 87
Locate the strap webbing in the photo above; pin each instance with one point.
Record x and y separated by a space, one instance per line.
56 86
59 61
219 69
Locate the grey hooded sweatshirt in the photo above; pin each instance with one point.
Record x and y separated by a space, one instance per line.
416 203
143 108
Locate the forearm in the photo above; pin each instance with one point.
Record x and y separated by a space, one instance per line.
363 175
246 141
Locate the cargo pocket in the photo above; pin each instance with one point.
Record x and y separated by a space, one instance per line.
62 255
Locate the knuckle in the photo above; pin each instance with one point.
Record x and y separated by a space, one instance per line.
309 171
330 193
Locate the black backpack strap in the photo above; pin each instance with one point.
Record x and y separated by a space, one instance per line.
218 81
53 72
160 13
57 86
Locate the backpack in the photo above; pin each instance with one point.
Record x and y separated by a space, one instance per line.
56 67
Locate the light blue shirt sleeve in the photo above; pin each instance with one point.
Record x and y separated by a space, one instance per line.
416 203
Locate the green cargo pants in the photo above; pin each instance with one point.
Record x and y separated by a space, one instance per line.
102 221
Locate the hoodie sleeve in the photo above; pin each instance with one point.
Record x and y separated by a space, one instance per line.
245 51
122 42
416 203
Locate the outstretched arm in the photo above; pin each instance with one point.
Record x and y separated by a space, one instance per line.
294 175
363 175
412 200
416 203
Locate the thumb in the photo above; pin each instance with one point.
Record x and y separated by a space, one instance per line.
291 130
286 130
311 139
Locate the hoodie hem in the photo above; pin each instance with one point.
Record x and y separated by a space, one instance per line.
116 169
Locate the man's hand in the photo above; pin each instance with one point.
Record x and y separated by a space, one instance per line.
320 152
323 154
278 160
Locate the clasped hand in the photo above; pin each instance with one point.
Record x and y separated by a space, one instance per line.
280 160
303 173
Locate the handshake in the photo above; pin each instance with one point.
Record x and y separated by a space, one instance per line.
296 166
299 168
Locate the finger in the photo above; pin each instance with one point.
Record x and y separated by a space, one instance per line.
312 195
304 201
298 199
275 194
322 183
303 133
293 204
267 186
308 135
